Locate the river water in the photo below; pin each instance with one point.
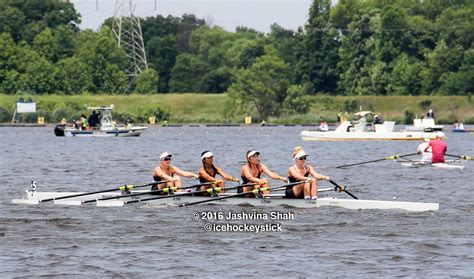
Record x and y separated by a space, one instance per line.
145 241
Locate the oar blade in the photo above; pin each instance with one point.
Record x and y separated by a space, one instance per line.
110 203
66 202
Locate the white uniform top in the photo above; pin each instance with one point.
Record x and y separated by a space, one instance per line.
425 155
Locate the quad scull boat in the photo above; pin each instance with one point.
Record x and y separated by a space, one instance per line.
32 197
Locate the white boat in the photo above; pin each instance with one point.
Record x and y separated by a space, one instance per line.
424 125
107 127
448 165
33 197
357 131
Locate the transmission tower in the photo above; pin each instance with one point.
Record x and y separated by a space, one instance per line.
126 27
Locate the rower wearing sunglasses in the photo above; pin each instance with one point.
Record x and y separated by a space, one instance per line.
300 171
166 172
252 171
208 172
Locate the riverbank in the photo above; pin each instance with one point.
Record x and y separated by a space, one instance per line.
214 108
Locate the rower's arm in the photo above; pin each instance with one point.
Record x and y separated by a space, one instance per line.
317 175
293 173
158 172
247 174
272 174
206 176
185 173
225 175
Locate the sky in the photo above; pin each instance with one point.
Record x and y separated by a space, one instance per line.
256 14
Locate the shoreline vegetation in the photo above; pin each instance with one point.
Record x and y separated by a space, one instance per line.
216 108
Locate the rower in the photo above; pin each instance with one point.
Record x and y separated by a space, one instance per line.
165 171
438 147
252 171
300 171
208 172
425 155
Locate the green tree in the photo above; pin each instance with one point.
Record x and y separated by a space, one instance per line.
262 87
147 82
187 74
73 76
25 19
99 51
317 62
296 100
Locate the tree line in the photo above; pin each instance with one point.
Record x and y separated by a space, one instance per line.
357 47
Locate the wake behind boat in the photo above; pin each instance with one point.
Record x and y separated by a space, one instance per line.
32 197
106 127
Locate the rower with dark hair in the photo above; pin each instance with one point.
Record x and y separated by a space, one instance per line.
169 174
252 171
208 172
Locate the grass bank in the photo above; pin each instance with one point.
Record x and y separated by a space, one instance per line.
212 108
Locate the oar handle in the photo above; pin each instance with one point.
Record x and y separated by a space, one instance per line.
343 189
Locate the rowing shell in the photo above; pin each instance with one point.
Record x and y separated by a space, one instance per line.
32 197
443 166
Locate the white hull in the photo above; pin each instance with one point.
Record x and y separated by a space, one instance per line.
119 132
346 136
444 166
274 200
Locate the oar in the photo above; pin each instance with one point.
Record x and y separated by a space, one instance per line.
256 191
393 157
212 190
121 188
462 157
342 189
165 190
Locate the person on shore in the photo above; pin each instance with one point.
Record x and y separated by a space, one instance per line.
208 172
170 175
300 171
425 155
438 148
252 171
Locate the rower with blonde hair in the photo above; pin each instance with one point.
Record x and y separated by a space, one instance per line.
168 174
300 171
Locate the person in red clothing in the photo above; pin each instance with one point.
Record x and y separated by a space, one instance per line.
438 147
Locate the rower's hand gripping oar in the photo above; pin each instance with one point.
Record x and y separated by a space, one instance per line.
213 190
393 157
121 188
342 189
255 191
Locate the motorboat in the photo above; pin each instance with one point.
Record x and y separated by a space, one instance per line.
106 128
357 130
424 125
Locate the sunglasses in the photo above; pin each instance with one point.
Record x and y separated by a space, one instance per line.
303 158
167 159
